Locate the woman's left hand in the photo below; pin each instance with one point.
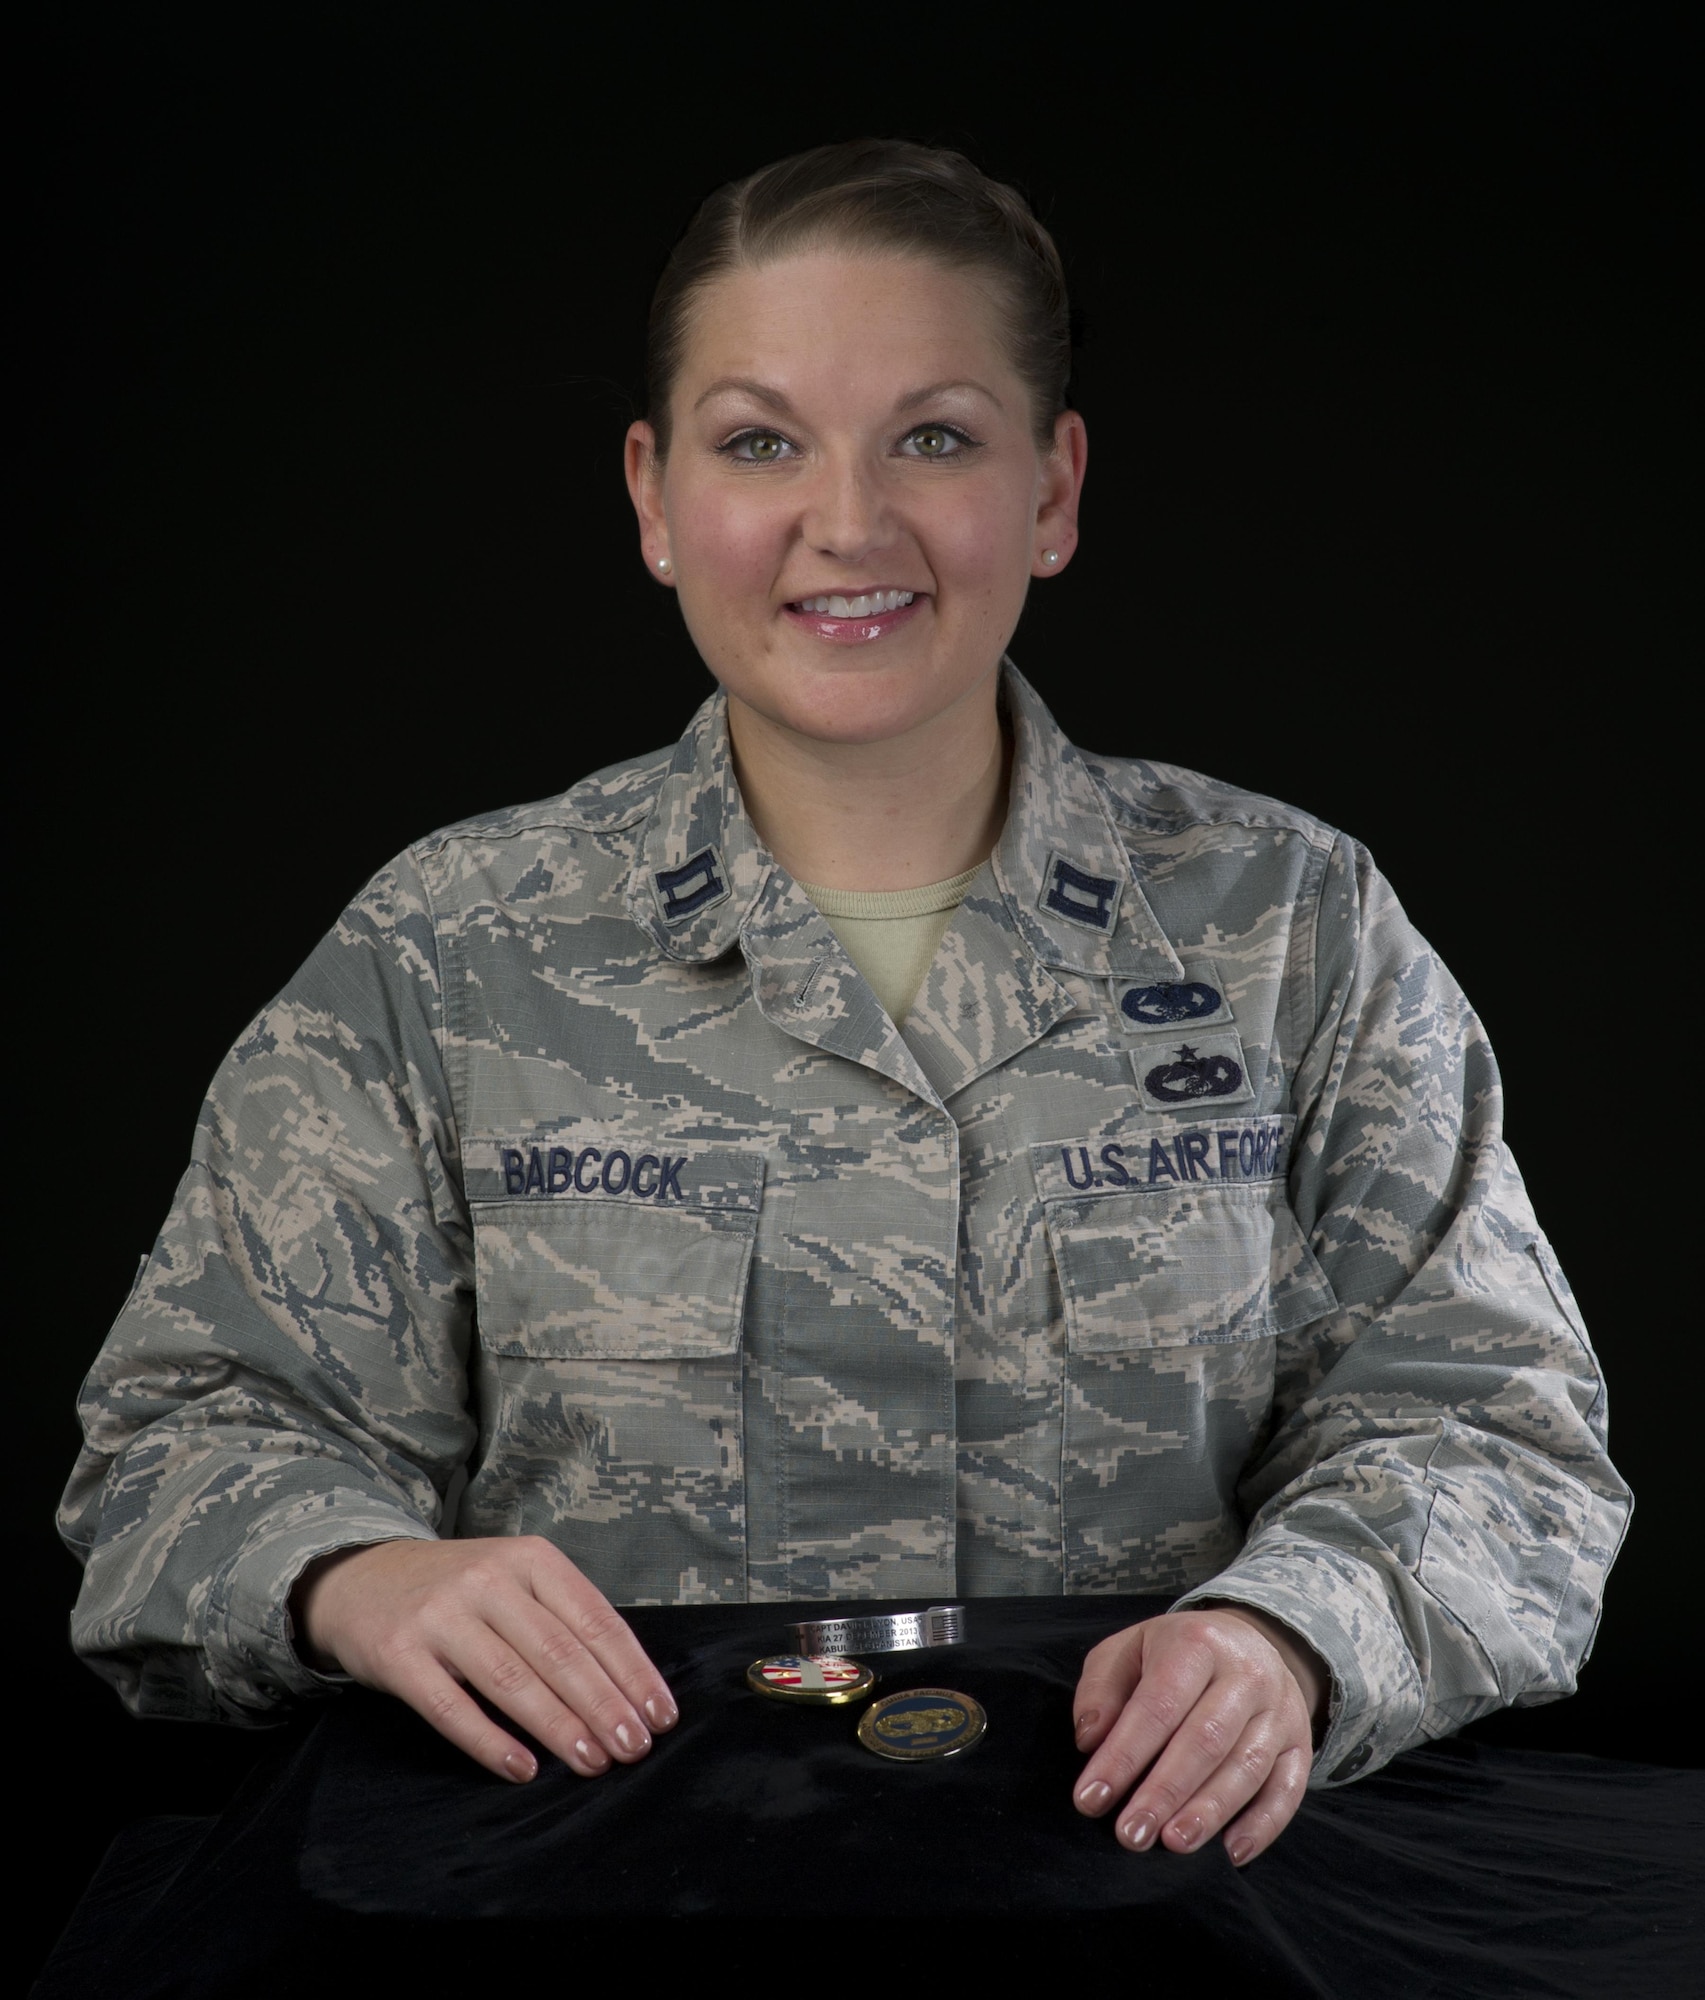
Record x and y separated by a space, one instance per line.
1217 1706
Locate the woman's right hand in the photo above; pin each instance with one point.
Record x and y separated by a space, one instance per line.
511 1618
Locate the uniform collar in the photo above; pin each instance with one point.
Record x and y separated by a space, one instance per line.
1062 867
1062 870
700 866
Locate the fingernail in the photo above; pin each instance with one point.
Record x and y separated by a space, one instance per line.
663 1712
1093 1798
591 1753
1139 1831
1087 1721
1240 1850
1187 1831
633 1741
522 1768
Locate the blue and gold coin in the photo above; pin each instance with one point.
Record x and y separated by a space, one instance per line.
922 1723
821 1679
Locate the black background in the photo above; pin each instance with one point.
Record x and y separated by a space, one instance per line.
335 329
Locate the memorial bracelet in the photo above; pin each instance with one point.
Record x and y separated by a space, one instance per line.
905 1632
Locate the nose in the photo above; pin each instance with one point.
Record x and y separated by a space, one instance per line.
847 517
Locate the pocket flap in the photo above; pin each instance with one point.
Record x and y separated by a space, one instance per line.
1173 1268
610 1279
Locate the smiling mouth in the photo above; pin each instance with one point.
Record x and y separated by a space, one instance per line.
867 605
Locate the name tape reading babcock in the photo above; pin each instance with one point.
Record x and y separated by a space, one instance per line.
563 1170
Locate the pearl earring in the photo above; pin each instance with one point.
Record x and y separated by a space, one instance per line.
1050 557
663 564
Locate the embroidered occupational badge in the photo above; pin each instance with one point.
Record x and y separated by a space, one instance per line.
1176 1000
823 1679
1193 1076
1207 1069
920 1724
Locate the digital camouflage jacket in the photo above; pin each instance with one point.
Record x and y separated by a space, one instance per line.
1170 1247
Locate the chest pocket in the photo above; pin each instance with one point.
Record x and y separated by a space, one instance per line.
610 1375
611 1280
1171 1296
1185 1267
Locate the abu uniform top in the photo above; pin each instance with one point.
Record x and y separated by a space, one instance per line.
1171 1247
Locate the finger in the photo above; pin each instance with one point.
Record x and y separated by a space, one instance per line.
1197 1748
1110 1674
1273 1808
489 1663
1167 1694
1225 1791
433 1693
606 1635
566 1670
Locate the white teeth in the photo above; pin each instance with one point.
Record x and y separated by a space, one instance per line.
857 607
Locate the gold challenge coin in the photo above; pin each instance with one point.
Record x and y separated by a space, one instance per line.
821 1679
921 1723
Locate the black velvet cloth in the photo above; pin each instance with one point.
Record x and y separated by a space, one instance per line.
374 1851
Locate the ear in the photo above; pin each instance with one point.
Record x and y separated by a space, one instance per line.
645 489
1059 487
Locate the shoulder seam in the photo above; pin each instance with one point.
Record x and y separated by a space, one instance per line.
554 815
1280 819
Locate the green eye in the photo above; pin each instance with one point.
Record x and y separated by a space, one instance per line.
937 441
763 444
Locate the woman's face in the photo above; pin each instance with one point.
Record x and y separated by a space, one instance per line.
854 501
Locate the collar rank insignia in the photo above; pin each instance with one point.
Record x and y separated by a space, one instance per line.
694 886
921 1724
823 1680
1089 901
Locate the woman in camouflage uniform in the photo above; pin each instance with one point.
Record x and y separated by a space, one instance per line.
872 1149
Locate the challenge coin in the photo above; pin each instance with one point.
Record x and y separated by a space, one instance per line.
923 1722
820 1678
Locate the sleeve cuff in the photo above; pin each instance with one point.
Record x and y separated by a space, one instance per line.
1327 1598
250 1644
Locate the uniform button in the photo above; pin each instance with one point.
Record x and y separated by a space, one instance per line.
1352 1764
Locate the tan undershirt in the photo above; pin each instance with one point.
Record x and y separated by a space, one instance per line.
892 934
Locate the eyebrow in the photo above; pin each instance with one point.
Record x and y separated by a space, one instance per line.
773 399
931 390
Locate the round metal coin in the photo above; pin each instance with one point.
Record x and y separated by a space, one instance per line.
922 1722
823 1679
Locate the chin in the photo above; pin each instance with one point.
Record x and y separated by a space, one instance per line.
854 696
855 707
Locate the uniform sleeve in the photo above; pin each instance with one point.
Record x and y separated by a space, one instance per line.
1434 1511
288 1376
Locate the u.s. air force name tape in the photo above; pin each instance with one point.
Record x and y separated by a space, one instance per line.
904 1632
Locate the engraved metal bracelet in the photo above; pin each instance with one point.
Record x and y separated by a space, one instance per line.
905 1632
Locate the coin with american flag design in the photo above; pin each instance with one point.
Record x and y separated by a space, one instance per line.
823 1679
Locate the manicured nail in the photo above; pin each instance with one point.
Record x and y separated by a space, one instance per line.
1240 1850
1139 1831
1086 1722
1093 1798
633 1741
1187 1831
591 1753
522 1768
663 1712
